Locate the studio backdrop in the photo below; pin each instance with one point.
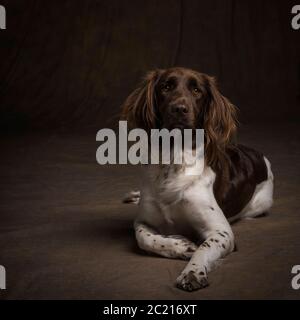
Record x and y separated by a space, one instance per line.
72 63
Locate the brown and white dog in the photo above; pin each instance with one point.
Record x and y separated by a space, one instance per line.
236 182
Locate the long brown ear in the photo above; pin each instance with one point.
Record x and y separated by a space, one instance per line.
219 122
139 107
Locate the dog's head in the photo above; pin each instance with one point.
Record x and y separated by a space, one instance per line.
185 99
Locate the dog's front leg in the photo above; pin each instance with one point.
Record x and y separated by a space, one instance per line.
218 244
167 246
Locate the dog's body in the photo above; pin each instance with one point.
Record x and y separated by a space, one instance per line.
236 182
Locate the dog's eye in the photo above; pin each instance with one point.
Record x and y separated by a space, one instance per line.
166 87
196 90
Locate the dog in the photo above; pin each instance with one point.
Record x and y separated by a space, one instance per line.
189 216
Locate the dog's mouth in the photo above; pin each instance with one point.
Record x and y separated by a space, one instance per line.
180 125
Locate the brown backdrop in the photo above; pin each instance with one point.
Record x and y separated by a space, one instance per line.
73 62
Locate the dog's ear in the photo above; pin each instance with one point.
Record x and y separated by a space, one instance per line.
139 107
219 121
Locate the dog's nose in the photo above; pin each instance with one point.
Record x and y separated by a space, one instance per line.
179 109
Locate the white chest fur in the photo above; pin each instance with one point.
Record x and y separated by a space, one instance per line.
169 196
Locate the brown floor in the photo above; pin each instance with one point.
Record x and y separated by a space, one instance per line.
65 234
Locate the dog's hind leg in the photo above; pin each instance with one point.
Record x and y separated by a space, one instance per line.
262 199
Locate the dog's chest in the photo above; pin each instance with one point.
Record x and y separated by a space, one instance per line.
168 184
173 193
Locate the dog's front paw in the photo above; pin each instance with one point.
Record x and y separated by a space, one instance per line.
192 280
